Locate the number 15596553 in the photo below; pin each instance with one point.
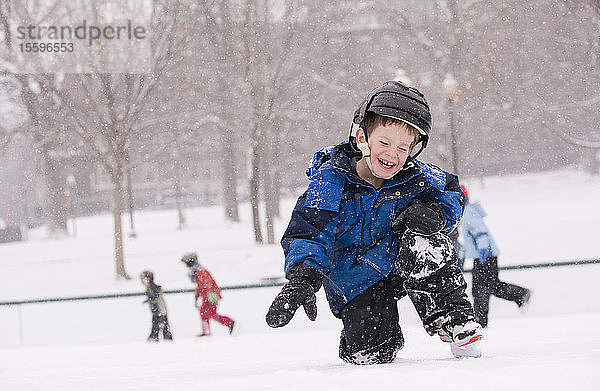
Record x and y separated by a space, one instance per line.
43 47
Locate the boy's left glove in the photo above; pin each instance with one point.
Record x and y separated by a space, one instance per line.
421 217
304 282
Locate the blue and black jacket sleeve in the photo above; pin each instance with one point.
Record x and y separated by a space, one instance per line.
310 234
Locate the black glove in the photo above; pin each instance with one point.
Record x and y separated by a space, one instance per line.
421 217
304 282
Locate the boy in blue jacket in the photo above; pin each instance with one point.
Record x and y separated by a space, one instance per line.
481 247
371 228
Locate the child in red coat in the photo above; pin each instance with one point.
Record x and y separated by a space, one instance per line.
207 288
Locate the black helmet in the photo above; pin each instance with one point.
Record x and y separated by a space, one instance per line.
147 274
396 100
190 259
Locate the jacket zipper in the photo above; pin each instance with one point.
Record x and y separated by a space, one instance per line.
363 226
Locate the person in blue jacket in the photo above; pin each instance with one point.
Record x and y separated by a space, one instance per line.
479 245
371 228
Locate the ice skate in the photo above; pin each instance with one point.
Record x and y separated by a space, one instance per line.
444 336
465 340
466 334
524 302
471 351
234 328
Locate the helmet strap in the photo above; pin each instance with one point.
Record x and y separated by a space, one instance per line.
366 153
365 149
422 147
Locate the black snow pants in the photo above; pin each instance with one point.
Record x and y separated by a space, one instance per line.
371 333
426 270
487 283
160 321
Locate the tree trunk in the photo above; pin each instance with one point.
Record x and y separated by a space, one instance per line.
118 225
178 202
230 197
254 188
57 196
267 182
276 175
592 160
269 202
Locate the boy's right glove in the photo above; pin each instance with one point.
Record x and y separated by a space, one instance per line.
421 217
304 281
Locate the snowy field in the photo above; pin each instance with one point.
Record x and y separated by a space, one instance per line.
100 344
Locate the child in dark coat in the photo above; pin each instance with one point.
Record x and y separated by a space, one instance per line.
158 308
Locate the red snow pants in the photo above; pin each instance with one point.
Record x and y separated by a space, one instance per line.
208 311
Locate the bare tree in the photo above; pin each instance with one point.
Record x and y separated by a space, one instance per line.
270 79
108 109
571 115
221 27
37 98
248 37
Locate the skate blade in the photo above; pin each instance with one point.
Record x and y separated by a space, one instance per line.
235 330
470 351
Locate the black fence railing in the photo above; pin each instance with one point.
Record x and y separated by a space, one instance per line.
271 283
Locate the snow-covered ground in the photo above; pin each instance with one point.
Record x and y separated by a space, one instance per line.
100 344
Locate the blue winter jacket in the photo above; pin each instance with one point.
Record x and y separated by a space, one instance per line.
476 235
341 225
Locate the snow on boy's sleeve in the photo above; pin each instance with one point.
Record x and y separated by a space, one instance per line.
311 232
324 191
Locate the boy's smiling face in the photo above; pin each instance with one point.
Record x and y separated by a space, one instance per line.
390 146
